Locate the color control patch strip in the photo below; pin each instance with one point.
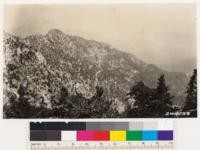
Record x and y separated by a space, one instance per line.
101 131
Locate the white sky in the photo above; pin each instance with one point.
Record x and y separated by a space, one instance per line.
156 33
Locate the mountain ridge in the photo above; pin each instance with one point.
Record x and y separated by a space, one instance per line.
82 64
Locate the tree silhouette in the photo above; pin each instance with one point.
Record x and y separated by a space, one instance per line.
191 98
149 102
162 99
162 91
142 96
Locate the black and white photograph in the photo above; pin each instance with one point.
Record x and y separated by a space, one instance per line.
100 61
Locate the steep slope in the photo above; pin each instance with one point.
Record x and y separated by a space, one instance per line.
46 62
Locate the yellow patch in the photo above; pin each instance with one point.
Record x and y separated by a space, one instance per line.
118 135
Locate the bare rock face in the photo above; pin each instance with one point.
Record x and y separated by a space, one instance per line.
48 62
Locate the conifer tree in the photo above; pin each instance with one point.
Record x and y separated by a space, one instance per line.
162 91
162 99
191 98
142 96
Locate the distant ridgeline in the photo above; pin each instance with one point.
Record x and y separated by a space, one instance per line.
62 76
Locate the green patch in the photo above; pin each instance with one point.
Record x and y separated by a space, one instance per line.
134 135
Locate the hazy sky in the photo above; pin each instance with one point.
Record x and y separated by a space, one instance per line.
162 34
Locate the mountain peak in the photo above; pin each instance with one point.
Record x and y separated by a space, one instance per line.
55 35
54 32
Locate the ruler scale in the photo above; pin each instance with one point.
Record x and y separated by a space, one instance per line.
101 135
99 146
